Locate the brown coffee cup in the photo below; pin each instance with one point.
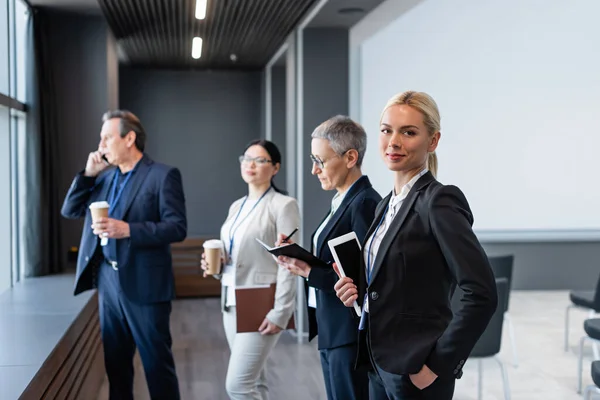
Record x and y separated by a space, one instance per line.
213 253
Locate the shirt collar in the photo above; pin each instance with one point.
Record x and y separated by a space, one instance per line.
339 198
397 198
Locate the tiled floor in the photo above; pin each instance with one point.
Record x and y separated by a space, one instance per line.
545 371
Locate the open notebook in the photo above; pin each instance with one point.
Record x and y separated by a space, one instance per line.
295 251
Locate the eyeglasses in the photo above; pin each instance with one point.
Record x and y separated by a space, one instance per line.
256 160
321 163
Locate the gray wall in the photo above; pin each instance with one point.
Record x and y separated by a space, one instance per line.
325 95
278 120
81 64
199 122
552 266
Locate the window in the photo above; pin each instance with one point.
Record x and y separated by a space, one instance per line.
14 27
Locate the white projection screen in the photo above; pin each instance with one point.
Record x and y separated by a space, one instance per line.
518 86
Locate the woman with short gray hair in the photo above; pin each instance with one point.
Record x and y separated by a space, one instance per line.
337 150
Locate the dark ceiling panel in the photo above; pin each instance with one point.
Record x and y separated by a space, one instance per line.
159 33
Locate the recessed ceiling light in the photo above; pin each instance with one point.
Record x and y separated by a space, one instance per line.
351 10
196 48
201 9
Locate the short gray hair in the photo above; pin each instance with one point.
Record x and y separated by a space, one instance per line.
343 134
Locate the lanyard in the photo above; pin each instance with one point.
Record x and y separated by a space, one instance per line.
112 199
232 230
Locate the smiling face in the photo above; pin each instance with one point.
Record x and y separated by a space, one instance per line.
257 167
404 142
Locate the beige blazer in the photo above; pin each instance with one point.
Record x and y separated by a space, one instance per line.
275 214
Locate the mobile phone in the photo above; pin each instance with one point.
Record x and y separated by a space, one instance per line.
105 159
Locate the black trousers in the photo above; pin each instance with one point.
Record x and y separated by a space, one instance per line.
342 381
126 325
386 386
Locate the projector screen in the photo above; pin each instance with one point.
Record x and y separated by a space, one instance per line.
518 87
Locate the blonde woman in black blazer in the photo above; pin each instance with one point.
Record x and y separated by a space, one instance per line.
419 247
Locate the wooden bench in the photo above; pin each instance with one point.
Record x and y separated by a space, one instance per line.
75 368
188 274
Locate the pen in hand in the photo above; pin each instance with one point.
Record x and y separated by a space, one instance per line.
289 236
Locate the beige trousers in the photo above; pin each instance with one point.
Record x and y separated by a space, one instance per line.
246 376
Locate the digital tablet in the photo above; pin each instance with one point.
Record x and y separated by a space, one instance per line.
346 252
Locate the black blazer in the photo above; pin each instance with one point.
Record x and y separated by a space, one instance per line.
429 249
335 324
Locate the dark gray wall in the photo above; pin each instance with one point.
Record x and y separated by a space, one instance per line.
199 122
278 121
325 95
552 266
81 64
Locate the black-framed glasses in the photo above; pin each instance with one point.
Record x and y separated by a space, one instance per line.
257 160
321 163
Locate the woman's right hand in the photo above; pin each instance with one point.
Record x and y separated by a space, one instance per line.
280 240
345 289
204 265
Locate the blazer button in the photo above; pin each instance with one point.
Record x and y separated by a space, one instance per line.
87 259
462 362
374 296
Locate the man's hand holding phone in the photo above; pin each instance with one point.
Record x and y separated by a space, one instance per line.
95 164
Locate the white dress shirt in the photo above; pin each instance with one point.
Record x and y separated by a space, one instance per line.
228 277
375 240
336 202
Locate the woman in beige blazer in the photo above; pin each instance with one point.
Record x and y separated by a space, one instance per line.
263 213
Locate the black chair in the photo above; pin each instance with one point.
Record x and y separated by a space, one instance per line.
488 345
592 329
595 388
585 300
502 266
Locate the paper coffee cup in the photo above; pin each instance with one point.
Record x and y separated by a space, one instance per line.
213 250
99 209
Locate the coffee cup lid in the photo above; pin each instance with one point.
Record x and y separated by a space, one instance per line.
213 244
99 204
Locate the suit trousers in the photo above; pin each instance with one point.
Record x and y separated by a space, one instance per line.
125 325
246 374
386 386
342 380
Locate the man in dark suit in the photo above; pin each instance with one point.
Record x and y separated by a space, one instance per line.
133 272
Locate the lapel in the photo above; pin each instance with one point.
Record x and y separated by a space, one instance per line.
138 177
398 220
361 184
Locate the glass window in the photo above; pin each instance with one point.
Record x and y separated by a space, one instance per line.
21 22
4 48
5 201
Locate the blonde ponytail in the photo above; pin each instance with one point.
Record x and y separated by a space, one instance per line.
432 163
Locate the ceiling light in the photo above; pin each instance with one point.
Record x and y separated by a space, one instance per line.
196 47
201 9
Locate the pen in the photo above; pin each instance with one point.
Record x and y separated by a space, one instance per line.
290 235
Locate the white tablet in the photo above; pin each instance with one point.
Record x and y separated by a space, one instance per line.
346 252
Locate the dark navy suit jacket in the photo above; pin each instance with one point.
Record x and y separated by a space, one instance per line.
335 324
153 204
